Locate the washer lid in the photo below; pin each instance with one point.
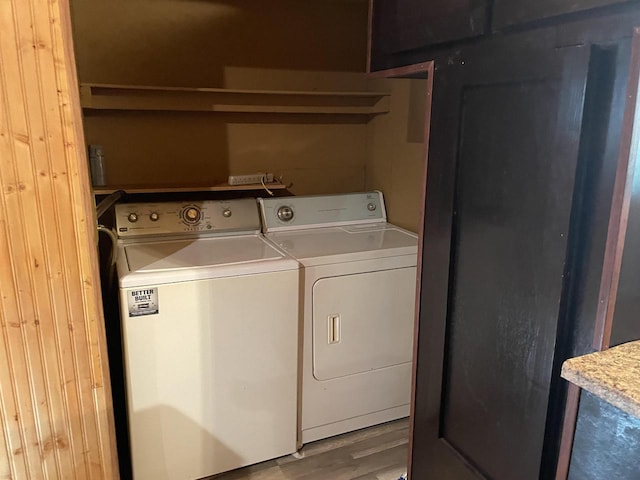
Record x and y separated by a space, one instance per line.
196 259
343 244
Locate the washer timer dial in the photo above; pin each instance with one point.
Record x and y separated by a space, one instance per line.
191 215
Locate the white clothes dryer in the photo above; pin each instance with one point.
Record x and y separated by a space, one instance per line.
210 316
358 291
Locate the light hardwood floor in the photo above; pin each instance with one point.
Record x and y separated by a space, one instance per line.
375 453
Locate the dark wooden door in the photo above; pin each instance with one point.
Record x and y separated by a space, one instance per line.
507 126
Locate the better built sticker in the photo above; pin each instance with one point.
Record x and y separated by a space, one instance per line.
142 302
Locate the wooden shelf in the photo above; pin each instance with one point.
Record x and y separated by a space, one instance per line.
130 97
223 187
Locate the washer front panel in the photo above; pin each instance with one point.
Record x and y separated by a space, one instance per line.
211 377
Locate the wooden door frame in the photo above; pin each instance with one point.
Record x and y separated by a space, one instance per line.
614 249
422 70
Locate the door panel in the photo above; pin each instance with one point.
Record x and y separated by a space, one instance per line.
506 278
362 322
502 163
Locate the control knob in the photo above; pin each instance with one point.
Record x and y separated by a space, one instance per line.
132 217
285 213
226 213
154 217
191 215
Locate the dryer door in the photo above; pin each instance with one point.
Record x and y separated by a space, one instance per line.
362 322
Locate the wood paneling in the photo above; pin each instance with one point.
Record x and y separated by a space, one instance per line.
54 387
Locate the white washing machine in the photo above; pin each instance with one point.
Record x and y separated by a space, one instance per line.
210 337
358 287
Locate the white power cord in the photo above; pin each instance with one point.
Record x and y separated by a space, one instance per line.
262 179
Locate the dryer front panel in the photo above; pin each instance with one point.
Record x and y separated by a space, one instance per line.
362 322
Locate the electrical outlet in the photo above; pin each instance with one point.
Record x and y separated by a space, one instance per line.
249 179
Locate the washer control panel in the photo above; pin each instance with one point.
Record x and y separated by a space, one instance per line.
208 216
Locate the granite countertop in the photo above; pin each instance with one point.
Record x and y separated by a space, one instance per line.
613 375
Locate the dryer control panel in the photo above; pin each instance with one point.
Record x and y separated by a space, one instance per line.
167 218
290 213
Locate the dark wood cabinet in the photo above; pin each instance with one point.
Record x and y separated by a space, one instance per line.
408 32
404 25
507 13
523 146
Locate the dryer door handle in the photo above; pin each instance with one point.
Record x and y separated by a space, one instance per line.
334 328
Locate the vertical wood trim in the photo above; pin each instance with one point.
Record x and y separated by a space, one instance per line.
622 190
427 123
568 432
369 36
55 400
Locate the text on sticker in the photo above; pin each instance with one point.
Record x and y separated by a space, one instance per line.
141 295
